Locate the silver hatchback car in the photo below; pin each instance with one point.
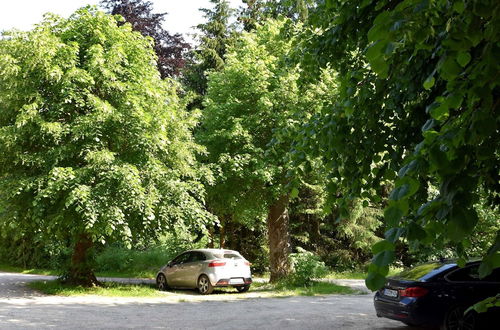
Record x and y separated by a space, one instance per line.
205 269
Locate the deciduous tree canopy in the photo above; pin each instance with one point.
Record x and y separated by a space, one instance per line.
95 146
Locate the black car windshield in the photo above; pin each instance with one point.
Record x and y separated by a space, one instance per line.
423 272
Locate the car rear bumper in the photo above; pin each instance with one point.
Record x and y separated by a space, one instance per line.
407 310
234 281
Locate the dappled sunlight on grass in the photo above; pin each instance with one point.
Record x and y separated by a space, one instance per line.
108 289
258 290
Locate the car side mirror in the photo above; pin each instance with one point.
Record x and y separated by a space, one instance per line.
170 264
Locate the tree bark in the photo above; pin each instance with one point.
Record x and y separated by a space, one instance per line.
222 233
80 271
279 239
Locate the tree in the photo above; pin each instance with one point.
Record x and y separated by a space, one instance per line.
249 104
171 49
417 107
216 36
257 11
95 146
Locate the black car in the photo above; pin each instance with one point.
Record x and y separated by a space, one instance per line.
438 294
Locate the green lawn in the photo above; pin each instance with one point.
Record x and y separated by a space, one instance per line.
38 271
358 275
111 289
108 289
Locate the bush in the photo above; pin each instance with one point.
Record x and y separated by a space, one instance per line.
145 261
305 267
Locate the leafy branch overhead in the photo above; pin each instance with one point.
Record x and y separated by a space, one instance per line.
418 108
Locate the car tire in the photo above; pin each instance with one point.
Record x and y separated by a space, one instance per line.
409 324
456 320
242 289
161 282
204 285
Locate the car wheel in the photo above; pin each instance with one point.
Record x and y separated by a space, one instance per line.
409 324
204 285
242 289
456 320
161 282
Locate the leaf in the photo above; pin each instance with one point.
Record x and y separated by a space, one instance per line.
380 67
415 232
485 304
382 245
374 51
449 69
393 234
399 192
461 223
374 281
429 82
463 58
384 258
489 263
392 214
459 6
429 124
440 112
294 193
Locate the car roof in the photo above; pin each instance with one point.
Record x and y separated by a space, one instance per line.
429 270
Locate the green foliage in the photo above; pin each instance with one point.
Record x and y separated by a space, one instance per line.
485 304
147 261
417 105
246 102
93 142
108 289
216 36
305 267
251 113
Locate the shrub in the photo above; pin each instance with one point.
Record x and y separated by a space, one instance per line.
305 267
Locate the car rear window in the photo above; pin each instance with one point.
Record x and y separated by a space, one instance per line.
232 256
228 255
423 272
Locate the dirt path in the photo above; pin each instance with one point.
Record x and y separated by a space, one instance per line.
21 308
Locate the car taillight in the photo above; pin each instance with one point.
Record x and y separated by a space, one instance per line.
247 263
415 292
216 264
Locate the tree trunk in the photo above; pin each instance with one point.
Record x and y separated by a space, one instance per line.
80 271
211 237
222 233
279 240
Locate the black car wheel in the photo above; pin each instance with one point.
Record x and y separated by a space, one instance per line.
455 319
161 282
242 289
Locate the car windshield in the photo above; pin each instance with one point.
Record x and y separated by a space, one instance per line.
423 272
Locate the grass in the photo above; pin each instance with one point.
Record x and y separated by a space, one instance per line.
41 271
22 270
108 289
313 289
129 274
264 290
358 275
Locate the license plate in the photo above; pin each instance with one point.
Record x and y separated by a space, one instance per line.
390 293
236 281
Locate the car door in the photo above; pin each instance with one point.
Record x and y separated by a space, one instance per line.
193 269
188 275
174 271
469 288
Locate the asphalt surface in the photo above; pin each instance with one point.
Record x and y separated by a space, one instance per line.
22 308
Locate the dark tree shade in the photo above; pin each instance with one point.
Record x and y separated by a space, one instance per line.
170 48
